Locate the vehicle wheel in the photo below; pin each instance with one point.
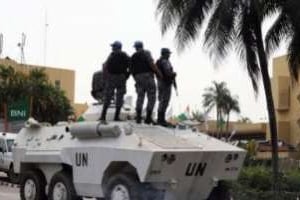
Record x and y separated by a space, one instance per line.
62 188
220 192
32 186
123 187
12 176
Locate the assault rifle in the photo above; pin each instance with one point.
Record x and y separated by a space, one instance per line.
175 86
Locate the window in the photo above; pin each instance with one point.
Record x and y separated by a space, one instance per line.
10 144
2 145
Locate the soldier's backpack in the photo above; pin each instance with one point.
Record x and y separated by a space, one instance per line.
97 85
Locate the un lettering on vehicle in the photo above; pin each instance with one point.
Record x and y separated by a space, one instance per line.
195 169
81 159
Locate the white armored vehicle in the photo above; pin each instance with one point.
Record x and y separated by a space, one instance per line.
120 161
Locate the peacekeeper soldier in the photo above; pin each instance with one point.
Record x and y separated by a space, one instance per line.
117 67
143 69
164 85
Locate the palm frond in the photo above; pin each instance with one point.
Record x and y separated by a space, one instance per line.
220 30
191 21
294 56
169 12
280 30
247 46
270 7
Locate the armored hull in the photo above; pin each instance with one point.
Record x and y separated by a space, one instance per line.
172 164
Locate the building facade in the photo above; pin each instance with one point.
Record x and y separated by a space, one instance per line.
286 95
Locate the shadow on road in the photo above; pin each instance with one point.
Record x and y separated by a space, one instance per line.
3 177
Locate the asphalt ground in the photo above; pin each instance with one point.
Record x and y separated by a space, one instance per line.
9 191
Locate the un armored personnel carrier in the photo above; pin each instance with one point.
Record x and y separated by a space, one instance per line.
120 161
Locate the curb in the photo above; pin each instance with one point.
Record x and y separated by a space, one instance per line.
7 184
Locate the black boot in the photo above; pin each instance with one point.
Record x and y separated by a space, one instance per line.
138 117
103 114
117 114
149 119
161 119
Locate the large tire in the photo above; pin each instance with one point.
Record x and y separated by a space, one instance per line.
221 191
121 185
62 188
32 186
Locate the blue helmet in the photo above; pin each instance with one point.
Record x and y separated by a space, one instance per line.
116 44
138 44
165 51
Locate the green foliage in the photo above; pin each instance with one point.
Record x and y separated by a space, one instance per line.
198 116
257 178
48 103
255 183
12 84
51 105
220 97
291 181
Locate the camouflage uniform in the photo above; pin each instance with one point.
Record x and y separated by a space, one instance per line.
117 72
115 82
145 83
164 88
143 74
164 96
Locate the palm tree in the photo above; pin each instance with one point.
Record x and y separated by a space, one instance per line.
285 28
11 88
51 105
244 120
199 116
214 96
47 103
37 79
233 23
231 104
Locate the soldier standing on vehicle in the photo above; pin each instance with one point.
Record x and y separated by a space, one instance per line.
143 69
164 85
117 66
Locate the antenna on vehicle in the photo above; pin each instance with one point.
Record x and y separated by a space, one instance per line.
1 44
22 45
231 135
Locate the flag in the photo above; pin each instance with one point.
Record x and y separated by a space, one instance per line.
187 112
81 119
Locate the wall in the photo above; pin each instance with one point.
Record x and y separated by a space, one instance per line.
286 94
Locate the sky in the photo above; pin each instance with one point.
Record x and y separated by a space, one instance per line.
79 34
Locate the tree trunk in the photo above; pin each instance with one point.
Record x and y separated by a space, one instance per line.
227 126
30 106
271 111
5 117
217 123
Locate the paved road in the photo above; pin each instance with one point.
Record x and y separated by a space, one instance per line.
10 191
